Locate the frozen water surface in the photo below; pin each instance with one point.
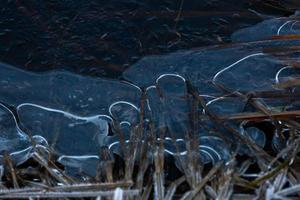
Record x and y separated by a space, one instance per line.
65 91
170 102
68 111
168 106
13 140
66 134
267 29
245 67
249 67
240 67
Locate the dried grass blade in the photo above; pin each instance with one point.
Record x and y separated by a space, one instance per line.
293 82
172 188
93 186
59 176
78 194
261 116
289 191
190 195
11 168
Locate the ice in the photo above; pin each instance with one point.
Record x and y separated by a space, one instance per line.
256 135
240 67
66 134
252 67
226 105
125 112
269 29
168 104
212 149
74 140
72 137
128 116
79 95
77 140
80 165
64 112
13 140
286 73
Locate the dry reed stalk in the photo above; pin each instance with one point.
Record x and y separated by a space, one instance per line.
105 166
172 188
258 116
78 194
293 82
11 169
158 176
55 172
192 193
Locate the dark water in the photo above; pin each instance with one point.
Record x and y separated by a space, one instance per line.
103 38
